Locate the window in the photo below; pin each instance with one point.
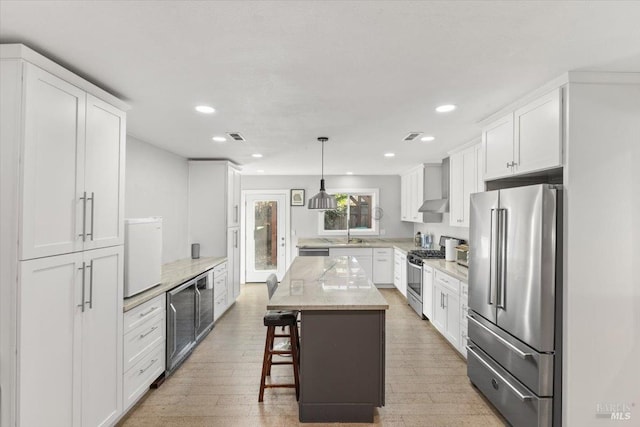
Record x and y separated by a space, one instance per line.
355 211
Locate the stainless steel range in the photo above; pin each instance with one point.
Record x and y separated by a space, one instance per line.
415 259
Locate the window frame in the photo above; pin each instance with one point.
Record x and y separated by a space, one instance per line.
375 202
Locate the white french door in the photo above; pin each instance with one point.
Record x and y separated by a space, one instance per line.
266 243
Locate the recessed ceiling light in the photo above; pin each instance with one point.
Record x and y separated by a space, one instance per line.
256 155
219 139
205 109
260 171
389 154
349 173
427 138
445 108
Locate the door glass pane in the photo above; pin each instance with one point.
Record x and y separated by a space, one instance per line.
265 235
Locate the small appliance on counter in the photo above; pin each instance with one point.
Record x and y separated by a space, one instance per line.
450 249
462 255
142 254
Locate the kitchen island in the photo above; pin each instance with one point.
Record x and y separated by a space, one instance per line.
342 355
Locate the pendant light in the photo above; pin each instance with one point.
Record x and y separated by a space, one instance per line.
322 200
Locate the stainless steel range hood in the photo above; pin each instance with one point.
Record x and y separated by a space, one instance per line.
441 204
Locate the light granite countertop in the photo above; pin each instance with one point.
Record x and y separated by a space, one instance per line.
326 283
174 274
404 244
450 267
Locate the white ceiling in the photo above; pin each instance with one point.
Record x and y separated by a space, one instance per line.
283 73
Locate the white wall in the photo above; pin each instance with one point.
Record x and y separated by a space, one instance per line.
602 284
157 183
304 222
442 229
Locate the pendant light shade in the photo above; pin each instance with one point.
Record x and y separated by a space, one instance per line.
322 200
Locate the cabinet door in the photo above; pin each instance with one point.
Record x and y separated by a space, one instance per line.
233 197
538 134
53 163
439 320
456 198
497 142
452 308
233 264
404 197
102 337
403 274
479 169
468 183
49 350
366 262
104 174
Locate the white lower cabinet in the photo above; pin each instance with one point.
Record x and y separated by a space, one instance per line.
447 307
70 366
400 271
363 255
427 291
382 265
464 308
220 278
144 344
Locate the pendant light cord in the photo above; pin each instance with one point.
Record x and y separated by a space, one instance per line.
322 162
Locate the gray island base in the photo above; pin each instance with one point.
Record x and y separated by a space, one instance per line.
342 364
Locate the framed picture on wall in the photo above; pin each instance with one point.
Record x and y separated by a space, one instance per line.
297 197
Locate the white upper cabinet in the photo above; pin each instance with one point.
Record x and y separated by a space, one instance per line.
538 134
463 182
73 168
497 142
233 193
52 166
412 194
527 140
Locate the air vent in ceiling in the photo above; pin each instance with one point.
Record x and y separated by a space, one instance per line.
236 136
412 136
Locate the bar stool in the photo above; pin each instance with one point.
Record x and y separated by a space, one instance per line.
272 320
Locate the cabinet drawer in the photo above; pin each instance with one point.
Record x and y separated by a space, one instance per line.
138 342
219 285
383 252
138 379
464 291
349 251
219 269
144 312
448 282
219 305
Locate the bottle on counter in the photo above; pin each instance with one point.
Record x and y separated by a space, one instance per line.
427 240
418 239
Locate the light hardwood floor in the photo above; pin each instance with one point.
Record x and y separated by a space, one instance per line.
426 382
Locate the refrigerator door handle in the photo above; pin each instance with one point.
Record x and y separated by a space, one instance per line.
494 268
522 397
502 341
502 279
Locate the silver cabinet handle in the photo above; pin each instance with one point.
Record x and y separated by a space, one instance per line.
83 268
197 306
90 267
502 341
93 203
502 215
517 392
84 217
148 332
151 310
142 371
235 238
493 268
173 330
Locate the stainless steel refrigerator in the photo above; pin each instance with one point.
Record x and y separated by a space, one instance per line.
515 318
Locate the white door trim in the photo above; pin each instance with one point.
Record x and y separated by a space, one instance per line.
243 225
